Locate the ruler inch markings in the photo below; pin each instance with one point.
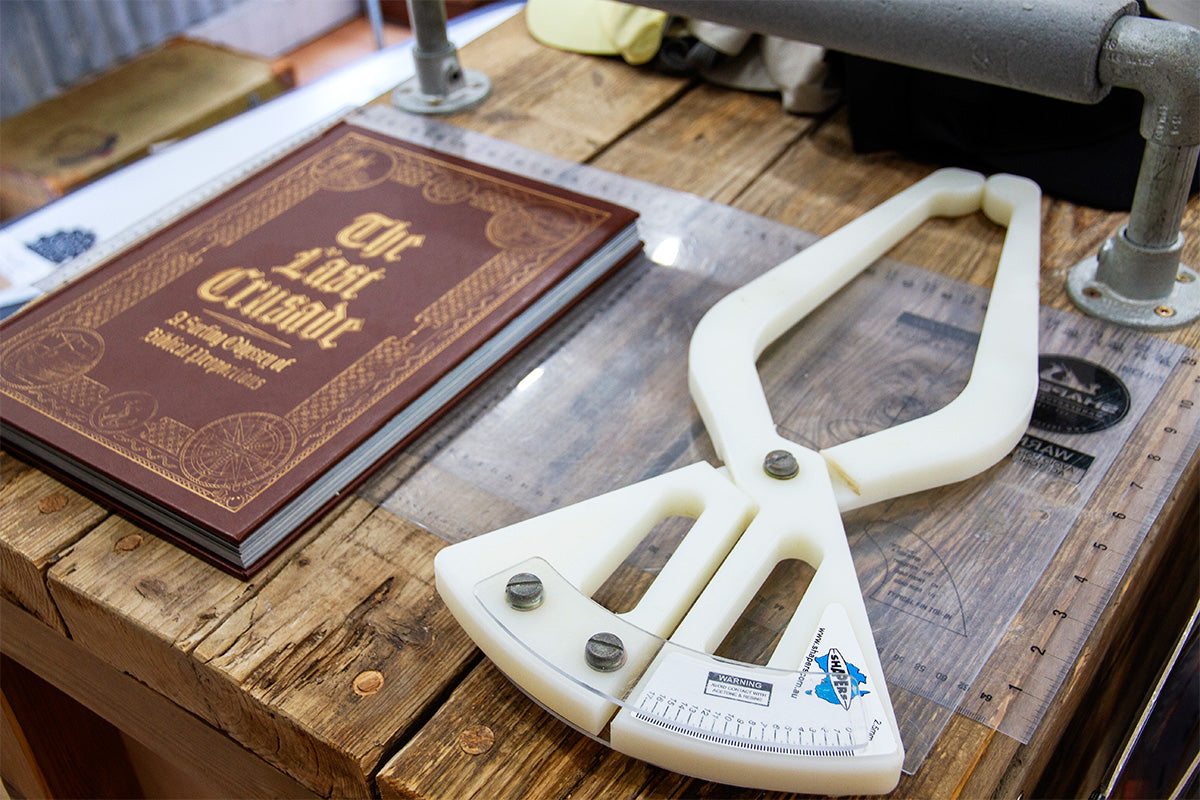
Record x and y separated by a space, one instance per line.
1108 538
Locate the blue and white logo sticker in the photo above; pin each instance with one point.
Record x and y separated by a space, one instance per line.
843 681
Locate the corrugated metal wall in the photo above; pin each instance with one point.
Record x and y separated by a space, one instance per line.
48 45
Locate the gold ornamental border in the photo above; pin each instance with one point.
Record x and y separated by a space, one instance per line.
349 163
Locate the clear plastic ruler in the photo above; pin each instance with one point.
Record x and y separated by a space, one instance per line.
949 575
1039 650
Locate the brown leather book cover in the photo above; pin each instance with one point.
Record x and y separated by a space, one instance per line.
222 380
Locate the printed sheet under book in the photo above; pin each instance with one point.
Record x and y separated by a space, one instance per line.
601 401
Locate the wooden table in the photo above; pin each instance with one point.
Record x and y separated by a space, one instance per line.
338 671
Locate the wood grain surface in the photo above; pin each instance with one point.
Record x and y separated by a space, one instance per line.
339 669
42 519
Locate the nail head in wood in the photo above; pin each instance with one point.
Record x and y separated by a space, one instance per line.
368 683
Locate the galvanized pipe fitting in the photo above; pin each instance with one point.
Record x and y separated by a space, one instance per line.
441 85
1049 47
1074 50
1136 278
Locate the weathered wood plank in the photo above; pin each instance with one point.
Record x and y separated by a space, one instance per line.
565 104
441 762
980 762
148 608
348 643
39 519
143 605
820 185
11 467
142 713
1071 233
328 663
139 602
422 481
78 753
317 667
1124 652
490 741
715 144
1069 746
21 770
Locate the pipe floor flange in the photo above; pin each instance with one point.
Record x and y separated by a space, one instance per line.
1180 307
474 89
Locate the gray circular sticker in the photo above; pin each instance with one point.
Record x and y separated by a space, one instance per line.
1077 396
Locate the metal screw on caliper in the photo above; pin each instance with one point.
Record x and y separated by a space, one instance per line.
604 652
524 591
781 464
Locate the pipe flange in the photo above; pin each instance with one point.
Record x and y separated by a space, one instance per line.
1179 307
464 92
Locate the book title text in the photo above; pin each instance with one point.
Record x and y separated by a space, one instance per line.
323 270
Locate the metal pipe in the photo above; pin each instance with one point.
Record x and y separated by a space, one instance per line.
1073 50
1162 61
375 15
441 85
1049 47
1136 278
432 48
1160 197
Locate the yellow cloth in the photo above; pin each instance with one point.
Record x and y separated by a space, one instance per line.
597 27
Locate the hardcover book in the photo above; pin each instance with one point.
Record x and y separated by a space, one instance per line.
226 379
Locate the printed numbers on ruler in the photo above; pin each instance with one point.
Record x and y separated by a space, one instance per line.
1029 666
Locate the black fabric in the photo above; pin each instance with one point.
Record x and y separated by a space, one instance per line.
1087 154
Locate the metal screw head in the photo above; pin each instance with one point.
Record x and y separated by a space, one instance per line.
604 652
781 464
524 591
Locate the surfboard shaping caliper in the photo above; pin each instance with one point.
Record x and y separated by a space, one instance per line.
817 717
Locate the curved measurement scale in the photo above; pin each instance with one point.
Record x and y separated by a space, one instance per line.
817 718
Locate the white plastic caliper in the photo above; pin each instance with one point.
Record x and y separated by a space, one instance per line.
817 717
